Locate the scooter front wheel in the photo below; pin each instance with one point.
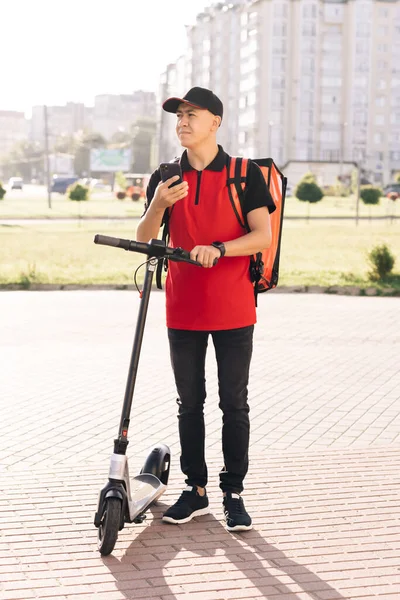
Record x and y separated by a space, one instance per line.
109 526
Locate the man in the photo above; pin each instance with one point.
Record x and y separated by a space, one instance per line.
216 300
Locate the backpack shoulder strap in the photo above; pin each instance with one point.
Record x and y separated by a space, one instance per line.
236 182
163 262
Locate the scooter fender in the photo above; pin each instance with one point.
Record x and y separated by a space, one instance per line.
113 489
158 463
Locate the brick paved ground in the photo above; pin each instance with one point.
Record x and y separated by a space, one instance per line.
325 452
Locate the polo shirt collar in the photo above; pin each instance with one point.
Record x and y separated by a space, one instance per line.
217 164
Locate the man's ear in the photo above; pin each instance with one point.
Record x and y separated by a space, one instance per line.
216 122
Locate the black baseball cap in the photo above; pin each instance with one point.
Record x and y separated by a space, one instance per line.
198 97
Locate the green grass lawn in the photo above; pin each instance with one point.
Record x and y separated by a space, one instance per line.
324 253
32 202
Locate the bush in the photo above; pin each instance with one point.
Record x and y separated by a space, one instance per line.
120 180
2 191
381 261
370 194
78 192
309 191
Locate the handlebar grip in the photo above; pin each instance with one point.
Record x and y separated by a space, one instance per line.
107 240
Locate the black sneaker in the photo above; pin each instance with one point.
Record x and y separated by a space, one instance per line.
237 519
190 504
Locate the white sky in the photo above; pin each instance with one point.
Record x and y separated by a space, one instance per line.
54 51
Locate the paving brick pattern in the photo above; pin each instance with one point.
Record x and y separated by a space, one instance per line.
323 487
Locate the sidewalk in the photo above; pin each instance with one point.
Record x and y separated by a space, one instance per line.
323 487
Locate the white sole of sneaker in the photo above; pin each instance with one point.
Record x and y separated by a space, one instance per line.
196 513
239 528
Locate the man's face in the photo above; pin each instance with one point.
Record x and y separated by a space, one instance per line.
194 125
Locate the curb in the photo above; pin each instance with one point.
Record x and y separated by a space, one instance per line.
294 289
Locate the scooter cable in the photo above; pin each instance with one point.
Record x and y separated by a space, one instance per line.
136 272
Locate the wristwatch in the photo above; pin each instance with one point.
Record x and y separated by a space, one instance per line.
220 246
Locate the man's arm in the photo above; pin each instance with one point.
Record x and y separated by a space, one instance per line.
159 198
256 240
259 238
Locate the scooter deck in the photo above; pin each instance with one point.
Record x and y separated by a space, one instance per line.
145 489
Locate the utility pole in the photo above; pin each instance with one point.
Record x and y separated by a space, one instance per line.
358 191
342 145
270 124
46 150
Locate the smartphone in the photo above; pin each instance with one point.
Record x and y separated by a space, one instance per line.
168 170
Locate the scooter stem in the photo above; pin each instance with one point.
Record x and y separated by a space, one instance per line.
121 443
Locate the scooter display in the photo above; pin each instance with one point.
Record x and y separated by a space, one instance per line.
122 500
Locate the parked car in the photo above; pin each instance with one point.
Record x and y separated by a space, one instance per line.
61 184
16 183
392 187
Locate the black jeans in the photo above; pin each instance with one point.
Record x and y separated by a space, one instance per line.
233 350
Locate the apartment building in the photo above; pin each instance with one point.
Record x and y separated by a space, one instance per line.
118 112
13 129
304 79
61 120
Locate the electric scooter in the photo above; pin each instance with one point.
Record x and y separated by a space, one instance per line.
122 501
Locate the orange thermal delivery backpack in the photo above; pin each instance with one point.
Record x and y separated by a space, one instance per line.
264 266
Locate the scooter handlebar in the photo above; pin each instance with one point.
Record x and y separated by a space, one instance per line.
156 248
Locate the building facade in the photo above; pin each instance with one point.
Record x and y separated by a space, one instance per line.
117 113
13 129
61 121
304 79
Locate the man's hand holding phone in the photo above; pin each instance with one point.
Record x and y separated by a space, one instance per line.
172 188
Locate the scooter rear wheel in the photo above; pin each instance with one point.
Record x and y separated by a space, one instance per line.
109 526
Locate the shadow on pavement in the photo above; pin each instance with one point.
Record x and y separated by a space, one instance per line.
250 553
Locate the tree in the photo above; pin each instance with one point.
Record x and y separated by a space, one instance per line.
397 177
2 191
370 195
308 190
24 160
121 138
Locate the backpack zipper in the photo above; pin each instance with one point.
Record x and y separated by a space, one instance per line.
197 200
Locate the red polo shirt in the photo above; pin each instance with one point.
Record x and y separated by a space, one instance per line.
221 297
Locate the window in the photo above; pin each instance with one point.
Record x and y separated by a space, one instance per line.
278 46
381 101
309 28
332 81
307 118
279 29
308 64
378 138
278 100
280 10
333 14
330 136
278 82
309 11
278 64
379 119
395 118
